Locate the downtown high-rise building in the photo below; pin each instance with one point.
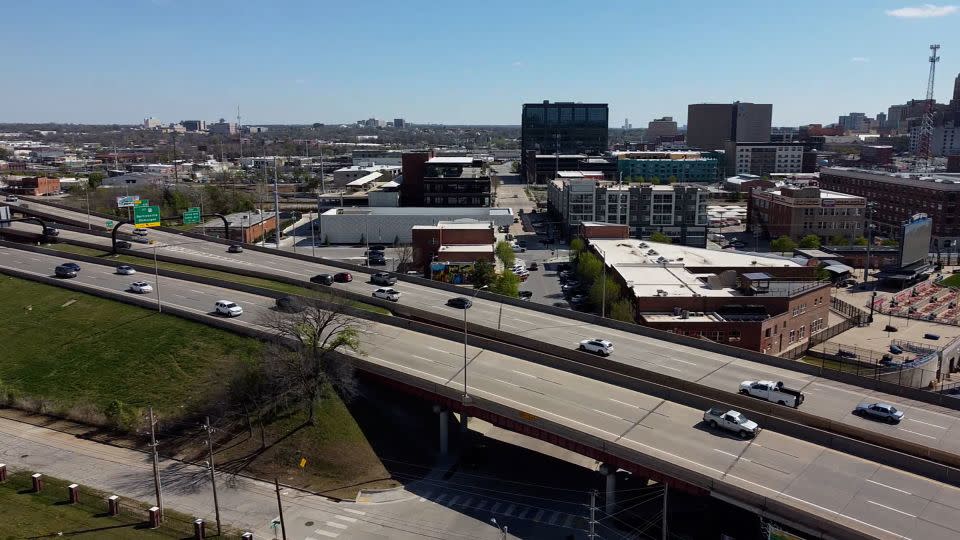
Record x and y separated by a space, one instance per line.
563 128
711 125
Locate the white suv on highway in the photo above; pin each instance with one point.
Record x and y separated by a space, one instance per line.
141 287
387 294
228 308
597 346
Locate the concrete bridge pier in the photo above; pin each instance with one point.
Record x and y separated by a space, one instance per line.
444 416
610 494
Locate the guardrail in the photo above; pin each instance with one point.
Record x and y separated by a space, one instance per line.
925 461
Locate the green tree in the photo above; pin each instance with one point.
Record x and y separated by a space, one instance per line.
515 167
672 179
655 180
5 154
589 267
859 241
822 274
660 237
839 240
639 179
810 241
505 253
783 244
622 310
506 283
483 273
597 292
577 245
94 180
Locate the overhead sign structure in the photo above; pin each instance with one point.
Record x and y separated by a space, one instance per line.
5 216
191 216
127 201
146 216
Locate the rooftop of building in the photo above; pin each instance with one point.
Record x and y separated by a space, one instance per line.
579 174
462 172
364 180
655 269
460 224
368 168
450 160
562 156
240 219
467 248
937 180
824 193
422 211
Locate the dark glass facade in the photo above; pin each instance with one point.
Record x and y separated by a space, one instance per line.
579 128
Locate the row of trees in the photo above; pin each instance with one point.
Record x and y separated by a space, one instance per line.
590 270
811 241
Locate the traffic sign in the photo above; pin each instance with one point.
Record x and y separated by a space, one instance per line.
127 201
146 216
191 216
109 223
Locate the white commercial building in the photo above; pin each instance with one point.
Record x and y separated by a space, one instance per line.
763 159
386 224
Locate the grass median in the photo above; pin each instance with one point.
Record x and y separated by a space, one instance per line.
205 272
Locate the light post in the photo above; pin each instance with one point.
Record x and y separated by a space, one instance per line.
295 219
86 194
866 262
156 278
466 395
603 286
313 237
503 529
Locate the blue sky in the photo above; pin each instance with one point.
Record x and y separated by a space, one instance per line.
453 62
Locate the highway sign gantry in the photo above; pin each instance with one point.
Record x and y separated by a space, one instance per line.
146 216
191 216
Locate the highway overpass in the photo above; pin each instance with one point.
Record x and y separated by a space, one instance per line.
830 493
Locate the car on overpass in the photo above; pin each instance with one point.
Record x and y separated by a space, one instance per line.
732 421
883 412
126 270
140 287
123 244
343 277
51 231
140 232
228 308
235 248
64 271
71 265
12 198
602 347
774 392
387 293
322 279
383 278
460 302
290 304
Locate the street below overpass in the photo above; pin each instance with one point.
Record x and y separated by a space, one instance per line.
925 425
820 483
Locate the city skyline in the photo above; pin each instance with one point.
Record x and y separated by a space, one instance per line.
174 61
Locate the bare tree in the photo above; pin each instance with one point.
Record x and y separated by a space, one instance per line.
312 333
404 256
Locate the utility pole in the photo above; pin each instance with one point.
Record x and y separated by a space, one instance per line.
156 464
593 514
176 173
866 262
283 529
213 473
156 278
276 201
666 493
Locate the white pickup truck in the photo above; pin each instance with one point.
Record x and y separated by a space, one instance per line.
731 421
771 391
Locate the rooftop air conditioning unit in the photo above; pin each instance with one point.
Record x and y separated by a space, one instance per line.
684 314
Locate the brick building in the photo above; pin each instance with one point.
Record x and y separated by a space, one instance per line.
876 154
34 185
246 227
448 250
763 303
800 211
898 196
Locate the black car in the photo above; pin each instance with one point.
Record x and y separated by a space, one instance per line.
526 295
377 261
460 302
322 279
123 244
290 304
51 231
383 278
235 248
65 272
378 248
71 265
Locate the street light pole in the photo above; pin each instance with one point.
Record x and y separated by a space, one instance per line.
313 237
603 300
86 193
156 278
466 395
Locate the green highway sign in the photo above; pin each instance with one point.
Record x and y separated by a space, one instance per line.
191 216
109 223
146 216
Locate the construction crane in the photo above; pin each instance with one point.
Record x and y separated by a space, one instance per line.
926 127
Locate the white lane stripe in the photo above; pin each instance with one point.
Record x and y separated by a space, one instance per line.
732 455
891 508
889 487
608 414
569 521
925 423
327 533
915 433
336 525
538 516
348 519
509 511
524 374
352 511
624 403
554 518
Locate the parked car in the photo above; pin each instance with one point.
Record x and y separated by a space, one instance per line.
732 421
846 354
517 249
387 293
578 299
533 266
123 244
737 243
290 304
597 346
125 270
322 279
566 275
526 295
774 392
12 198
140 287
376 261
228 308
51 231
382 278
235 248
461 302
570 286
879 411
343 277
65 272
71 265
522 243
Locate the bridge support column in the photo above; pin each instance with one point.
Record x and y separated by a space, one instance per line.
610 496
444 431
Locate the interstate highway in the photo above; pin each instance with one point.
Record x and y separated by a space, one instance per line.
878 500
925 424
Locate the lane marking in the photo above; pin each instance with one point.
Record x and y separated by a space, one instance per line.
608 414
327 533
889 487
524 374
569 521
348 519
554 518
336 525
509 511
624 403
915 433
357 512
494 508
454 500
732 455
891 508
538 515
508 382
926 423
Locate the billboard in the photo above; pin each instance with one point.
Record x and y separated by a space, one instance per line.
127 201
915 239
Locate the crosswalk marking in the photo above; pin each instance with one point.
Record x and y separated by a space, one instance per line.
495 507
538 515
336 525
482 505
441 498
509 510
328 534
523 514
554 518
569 521
346 518
352 511
426 494
468 501
454 500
